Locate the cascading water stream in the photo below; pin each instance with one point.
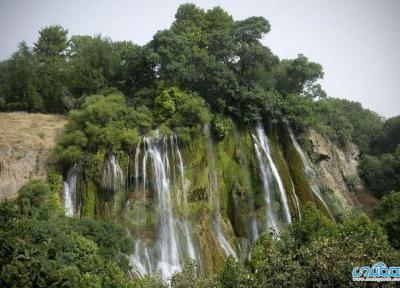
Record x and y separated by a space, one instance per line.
296 199
269 173
309 172
189 242
165 256
70 190
167 242
214 197
112 176
137 154
141 259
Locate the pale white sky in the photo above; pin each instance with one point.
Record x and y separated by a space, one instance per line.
356 41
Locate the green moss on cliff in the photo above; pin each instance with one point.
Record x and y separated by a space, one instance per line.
300 181
89 198
282 166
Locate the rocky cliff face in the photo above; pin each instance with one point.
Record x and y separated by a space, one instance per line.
337 169
26 141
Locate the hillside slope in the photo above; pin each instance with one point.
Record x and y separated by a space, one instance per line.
335 166
26 141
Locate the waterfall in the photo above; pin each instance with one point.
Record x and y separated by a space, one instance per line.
296 199
137 154
165 255
309 172
253 229
140 260
191 252
112 176
214 197
269 173
70 190
167 242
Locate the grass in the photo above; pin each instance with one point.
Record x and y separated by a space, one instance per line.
24 131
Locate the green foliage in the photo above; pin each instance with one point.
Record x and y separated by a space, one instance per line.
381 173
50 50
352 181
52 42
388 215
205 68
340 119
273 266
47 249
93 66
389 136
314 225
233 275
17 83
190 278
177 108
215 61
313 253
221 126
103 122
298 76
33 195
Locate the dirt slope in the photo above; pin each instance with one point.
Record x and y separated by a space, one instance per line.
26 141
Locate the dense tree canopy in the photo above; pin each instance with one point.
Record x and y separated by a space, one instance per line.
206 53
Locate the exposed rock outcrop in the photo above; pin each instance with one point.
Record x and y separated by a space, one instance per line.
26 141
337 167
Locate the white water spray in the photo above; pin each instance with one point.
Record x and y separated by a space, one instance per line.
269 173
70 191
165 256
309 172
112 176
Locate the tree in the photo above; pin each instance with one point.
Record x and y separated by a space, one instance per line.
103 122
380 173
297 76
52 42
50 52
388 215
177 108
93 65
17 85
251 30
389 138
190 22
35 193
219 29
58 251
136 70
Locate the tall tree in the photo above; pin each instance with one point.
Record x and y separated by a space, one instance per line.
50 51
52 42
93 64
17 86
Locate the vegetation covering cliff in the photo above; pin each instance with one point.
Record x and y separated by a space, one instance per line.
200 158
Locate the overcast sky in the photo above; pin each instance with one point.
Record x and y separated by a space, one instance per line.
356 41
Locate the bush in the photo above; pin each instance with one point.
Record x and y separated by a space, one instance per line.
380 173
59 251
33 194
388 215
221 126
177 108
